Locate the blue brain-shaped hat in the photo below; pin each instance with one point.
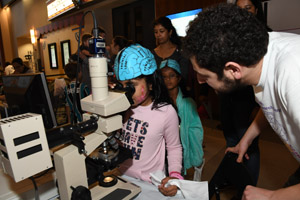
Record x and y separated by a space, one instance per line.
134 61
170 63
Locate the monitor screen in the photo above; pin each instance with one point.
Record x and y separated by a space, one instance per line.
181 20
29 93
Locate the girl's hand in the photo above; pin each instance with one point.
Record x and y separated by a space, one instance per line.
111 85
171 190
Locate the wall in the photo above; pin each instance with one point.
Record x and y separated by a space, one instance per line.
24 16
24 47
57 37
104 19
284 15
5 16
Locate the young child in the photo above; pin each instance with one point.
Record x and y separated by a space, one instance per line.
191 131
74 112
150 126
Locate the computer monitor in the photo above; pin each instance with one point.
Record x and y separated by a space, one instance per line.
29 93
181 20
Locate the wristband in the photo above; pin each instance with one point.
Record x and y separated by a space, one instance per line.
176 175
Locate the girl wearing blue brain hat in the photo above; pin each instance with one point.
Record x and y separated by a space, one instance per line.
150 126
191 130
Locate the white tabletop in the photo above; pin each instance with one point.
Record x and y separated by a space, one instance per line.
150 191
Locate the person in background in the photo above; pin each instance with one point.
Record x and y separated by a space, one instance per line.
101 32
244 53
191 130
74 112
169 44
84 47
254 7
9 69
117 44
20 67
150 127
83 59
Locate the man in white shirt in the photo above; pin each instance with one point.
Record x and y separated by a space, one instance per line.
9 69
229 48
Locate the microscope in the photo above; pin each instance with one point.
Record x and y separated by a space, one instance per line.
89 151
71 162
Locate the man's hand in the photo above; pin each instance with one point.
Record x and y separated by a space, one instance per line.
239 149
256 193
171 190
288 193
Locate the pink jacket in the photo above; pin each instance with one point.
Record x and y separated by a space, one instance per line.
149 133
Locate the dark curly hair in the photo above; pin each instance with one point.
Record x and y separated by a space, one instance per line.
225 33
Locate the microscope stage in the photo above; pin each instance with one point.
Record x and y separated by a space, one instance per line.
122 190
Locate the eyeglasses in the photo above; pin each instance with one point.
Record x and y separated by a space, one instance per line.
171 76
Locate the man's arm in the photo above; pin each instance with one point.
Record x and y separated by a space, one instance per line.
289 193
258 124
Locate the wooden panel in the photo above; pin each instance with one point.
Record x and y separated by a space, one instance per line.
2 56
134 21
166 7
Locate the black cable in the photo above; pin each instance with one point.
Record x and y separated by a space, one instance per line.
42 174
36 192
32 178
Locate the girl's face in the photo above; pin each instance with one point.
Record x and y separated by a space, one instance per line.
141 95
162 35
246 4
170 77
114 48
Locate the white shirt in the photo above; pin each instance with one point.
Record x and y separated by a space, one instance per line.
278 90
9 70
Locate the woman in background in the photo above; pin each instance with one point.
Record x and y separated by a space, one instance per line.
254 7
169 44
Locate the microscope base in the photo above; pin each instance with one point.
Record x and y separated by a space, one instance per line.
122 190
